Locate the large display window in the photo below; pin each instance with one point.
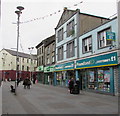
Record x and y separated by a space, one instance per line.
96 79
92 79
104 79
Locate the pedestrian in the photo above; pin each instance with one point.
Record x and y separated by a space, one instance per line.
27 83
18 81
34 80
12 89
71 85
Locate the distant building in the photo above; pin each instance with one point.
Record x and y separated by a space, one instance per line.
46 60
26 65
49 60
40 61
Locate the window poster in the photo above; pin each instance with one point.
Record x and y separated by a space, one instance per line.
91 76
100 76
106 76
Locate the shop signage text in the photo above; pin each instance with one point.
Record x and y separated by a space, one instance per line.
106 60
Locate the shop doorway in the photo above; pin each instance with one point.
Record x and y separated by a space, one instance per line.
82 80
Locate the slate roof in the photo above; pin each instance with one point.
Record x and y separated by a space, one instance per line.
20 54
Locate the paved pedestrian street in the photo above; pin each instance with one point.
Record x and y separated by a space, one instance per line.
47 99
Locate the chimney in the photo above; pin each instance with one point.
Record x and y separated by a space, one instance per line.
65 8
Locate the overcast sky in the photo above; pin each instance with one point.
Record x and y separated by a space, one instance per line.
37 28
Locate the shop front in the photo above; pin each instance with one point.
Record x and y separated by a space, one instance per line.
63 73
98 73
40 74
49 75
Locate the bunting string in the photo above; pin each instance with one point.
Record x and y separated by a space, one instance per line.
49 15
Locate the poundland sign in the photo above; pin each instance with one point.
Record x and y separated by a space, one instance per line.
102 60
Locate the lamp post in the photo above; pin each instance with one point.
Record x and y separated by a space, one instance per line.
30 50
18 12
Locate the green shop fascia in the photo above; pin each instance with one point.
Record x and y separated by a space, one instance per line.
49 74
97 73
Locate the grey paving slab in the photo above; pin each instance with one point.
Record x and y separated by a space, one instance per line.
46 99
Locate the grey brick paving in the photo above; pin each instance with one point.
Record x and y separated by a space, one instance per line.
46 99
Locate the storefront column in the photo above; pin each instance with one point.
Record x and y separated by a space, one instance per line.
55 82
119 79
112 80
76 75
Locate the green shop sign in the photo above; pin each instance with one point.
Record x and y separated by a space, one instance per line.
66 66
49 68
110 36
102 60
40 68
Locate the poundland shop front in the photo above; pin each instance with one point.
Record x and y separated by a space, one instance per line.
99 73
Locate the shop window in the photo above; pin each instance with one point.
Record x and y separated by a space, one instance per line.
92 81
87 44
104 79
102 41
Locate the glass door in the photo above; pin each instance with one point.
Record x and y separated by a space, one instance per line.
82 80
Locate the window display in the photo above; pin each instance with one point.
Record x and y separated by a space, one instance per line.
104 79
99 79
91 77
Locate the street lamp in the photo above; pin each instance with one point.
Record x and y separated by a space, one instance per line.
18 12
30 50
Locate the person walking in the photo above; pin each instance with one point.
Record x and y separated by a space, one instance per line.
18 81
71 85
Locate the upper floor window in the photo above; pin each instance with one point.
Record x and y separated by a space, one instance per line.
70 28
42 49
70 49
53 58
17 67
60 53
48 61
87 44
28 60
38 51
31 61
22 67
18 60
102 41
42 60
48 50
60 35
23 60
53 47
27 68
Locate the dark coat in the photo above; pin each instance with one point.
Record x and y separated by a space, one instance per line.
71 84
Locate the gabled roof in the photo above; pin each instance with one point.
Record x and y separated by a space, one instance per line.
20 54
66 15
